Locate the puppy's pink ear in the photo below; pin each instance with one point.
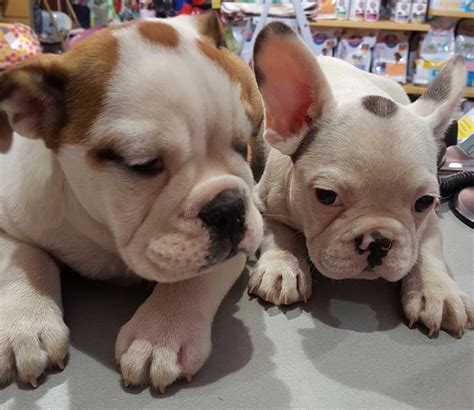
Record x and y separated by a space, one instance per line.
32 101
295 91
443 96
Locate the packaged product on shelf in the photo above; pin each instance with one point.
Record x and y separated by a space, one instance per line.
355 47
418 12
372 10
453 5
357 10
437 48
391 55
342 9
325 41
400 12
326 9
465 47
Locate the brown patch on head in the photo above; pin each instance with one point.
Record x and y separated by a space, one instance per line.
90 65
209 25
240 73
159 33
379 106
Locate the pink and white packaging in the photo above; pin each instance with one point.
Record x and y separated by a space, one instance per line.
372 10
357 10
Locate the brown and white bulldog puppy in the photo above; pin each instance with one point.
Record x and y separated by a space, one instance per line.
126 157
350 180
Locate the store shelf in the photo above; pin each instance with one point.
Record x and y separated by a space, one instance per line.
456 14
418 90
374 25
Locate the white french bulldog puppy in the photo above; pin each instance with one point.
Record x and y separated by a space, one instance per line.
126 157
351 181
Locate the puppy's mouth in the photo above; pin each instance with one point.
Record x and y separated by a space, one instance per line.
222 249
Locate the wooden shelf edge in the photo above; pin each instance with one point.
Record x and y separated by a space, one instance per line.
419 89
373 25
456 14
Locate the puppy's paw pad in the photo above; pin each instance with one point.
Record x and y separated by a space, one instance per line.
439 307
32 338
278 278
157 357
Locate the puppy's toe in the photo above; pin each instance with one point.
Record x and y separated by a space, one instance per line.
280 280
32 338
165 367
135 363
439 307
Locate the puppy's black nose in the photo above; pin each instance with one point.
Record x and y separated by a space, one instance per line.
225 216
377 245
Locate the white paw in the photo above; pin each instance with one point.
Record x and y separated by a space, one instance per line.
33 336
438 305
279 278
157 348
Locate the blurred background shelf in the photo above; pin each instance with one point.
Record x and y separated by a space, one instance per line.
455 14
419 89
374 25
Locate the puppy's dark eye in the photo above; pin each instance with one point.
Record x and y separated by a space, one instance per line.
242 149
149 168
327 197
423 203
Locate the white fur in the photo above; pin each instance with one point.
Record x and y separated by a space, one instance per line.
107 222
378 165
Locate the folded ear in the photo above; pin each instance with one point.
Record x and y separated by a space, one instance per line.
209 25
32 101
442 97
6 133
294 89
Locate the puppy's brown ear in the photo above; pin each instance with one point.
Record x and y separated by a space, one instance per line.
6 133
210 26
32 100
443 96
294 89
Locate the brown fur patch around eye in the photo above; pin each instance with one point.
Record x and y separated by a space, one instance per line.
379 106
159 33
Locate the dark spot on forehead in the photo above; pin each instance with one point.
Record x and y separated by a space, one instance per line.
379 106
304 144
439 88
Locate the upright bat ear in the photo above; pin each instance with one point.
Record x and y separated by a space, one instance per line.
442 97
294 89
32 101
